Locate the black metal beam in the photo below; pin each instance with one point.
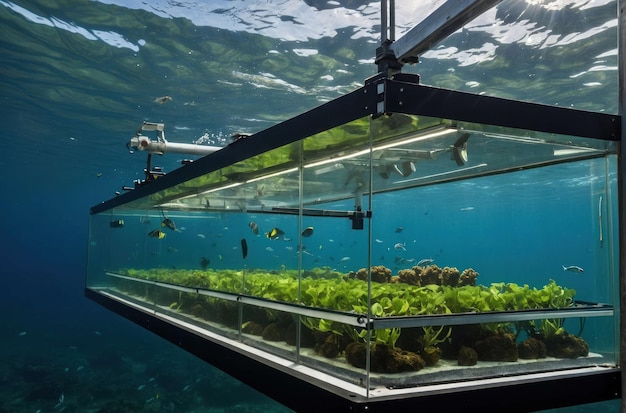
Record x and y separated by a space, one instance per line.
412 98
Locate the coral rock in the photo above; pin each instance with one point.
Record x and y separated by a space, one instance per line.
468 277
450 276
380 274
431 275
410 276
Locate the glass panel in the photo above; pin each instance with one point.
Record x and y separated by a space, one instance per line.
327 345
272 330
476 219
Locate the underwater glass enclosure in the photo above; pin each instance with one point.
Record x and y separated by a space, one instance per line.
393 243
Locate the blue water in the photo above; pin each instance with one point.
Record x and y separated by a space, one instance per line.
77 78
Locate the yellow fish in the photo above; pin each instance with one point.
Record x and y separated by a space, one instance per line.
157 233
274 233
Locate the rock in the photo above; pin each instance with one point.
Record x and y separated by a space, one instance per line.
467 356
497 347
272 332
306 336
384 359
566 346
431 355
253 328
532 349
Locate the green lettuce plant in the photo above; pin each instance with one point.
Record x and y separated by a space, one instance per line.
328 289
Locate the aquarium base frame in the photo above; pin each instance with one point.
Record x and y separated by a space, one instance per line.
271 375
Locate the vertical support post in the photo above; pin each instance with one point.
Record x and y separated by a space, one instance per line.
621 52
383 21
385 58
392 20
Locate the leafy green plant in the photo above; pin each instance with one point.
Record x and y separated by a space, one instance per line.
327 289
434 335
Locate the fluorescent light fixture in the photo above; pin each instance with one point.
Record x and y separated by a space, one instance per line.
440 174
259 178
572 151
208 191
430 135
337 159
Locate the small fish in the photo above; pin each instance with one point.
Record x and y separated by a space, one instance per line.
219 257
345 259
156 233
307 232
201 236
244 248
269 249
399 229
22 334
117 223
400 246
172 250
424 262
141 387
288 248
275 233
573 268
204 262
379 241
169 224
254 227
163 99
